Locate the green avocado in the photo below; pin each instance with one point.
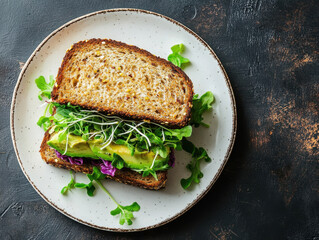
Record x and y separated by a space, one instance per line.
138 161
78 147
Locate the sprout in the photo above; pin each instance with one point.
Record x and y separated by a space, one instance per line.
154 160
148 141
81 122
108 142
131 130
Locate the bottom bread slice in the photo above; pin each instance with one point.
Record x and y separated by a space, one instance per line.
125 176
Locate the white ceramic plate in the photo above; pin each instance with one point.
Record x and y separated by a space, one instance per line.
155 33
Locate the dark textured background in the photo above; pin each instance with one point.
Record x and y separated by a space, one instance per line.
269 187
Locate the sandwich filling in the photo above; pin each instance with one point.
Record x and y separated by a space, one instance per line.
111 142
77 150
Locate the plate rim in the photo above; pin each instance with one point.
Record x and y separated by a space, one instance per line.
220 169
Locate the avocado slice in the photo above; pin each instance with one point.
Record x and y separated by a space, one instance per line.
77 146
139 160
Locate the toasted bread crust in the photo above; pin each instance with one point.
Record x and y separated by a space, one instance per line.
154 113
125 176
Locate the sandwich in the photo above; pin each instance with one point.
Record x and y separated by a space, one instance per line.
119 108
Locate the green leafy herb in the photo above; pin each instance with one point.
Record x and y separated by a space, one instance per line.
200 105
180 133
45 88
89 187
198 154
117 161
126 212
96 174
69 186
149 171
161 150
44 122
153 169
175 56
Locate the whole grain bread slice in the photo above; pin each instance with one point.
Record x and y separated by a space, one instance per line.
124 80
125 176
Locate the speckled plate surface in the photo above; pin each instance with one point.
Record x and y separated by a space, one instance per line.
155 33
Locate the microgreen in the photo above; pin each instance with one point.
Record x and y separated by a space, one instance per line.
198 154
201 105
46 88
117 161
149 171
176 58
44 122
180 133
126 212
153 169
161 150
89 187
69 186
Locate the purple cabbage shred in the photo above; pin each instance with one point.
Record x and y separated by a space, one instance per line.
171 161
105 166
72 160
